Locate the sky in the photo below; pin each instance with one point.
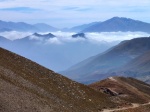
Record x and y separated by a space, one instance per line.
69 13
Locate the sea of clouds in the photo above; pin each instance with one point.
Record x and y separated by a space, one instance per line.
63 51
65 37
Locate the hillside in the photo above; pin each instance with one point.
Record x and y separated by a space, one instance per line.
116 24
34 39
21 26
99 66
3 39
26 86
127 90
45 28
79 28
143 108
138 67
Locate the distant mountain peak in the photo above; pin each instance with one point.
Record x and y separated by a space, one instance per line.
22 26
116 24
122 19
79 35
49 35
117 17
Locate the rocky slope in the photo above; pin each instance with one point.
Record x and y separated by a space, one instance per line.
124 90
26 86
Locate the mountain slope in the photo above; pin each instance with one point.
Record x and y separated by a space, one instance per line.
116 24
27 86
127 90
3 39
35 38
21 26
138 67
140 64
98 66
82 27
45 36
44 27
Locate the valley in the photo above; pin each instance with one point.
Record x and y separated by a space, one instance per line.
96 67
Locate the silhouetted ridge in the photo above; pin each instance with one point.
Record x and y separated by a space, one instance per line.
79 35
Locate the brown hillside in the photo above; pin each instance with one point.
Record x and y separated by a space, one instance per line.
28 87
145 108
127 90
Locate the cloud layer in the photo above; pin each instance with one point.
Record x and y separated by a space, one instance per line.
12 35
66 37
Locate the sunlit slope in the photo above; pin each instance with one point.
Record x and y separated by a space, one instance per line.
26 86
127 90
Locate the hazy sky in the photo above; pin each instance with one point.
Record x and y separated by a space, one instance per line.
68 13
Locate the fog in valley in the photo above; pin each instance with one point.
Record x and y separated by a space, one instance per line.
63 51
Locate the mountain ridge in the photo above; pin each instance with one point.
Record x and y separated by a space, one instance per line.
32 87
101 65
116 24
22 26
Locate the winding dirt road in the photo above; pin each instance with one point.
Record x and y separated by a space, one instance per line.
134 105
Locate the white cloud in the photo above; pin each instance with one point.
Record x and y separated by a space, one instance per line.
15 35
32 37
66 37
114 36
53 41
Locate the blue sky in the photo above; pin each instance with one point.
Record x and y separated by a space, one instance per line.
68 13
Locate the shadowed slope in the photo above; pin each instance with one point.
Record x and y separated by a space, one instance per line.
95 67
138 67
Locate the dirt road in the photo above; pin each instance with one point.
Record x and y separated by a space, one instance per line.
124 108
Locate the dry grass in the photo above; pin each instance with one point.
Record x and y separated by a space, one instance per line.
138 109
38 89
130 90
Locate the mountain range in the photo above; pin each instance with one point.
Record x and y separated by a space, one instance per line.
79 28
40 48
28 86
35 37
21 26
113 60
116 24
